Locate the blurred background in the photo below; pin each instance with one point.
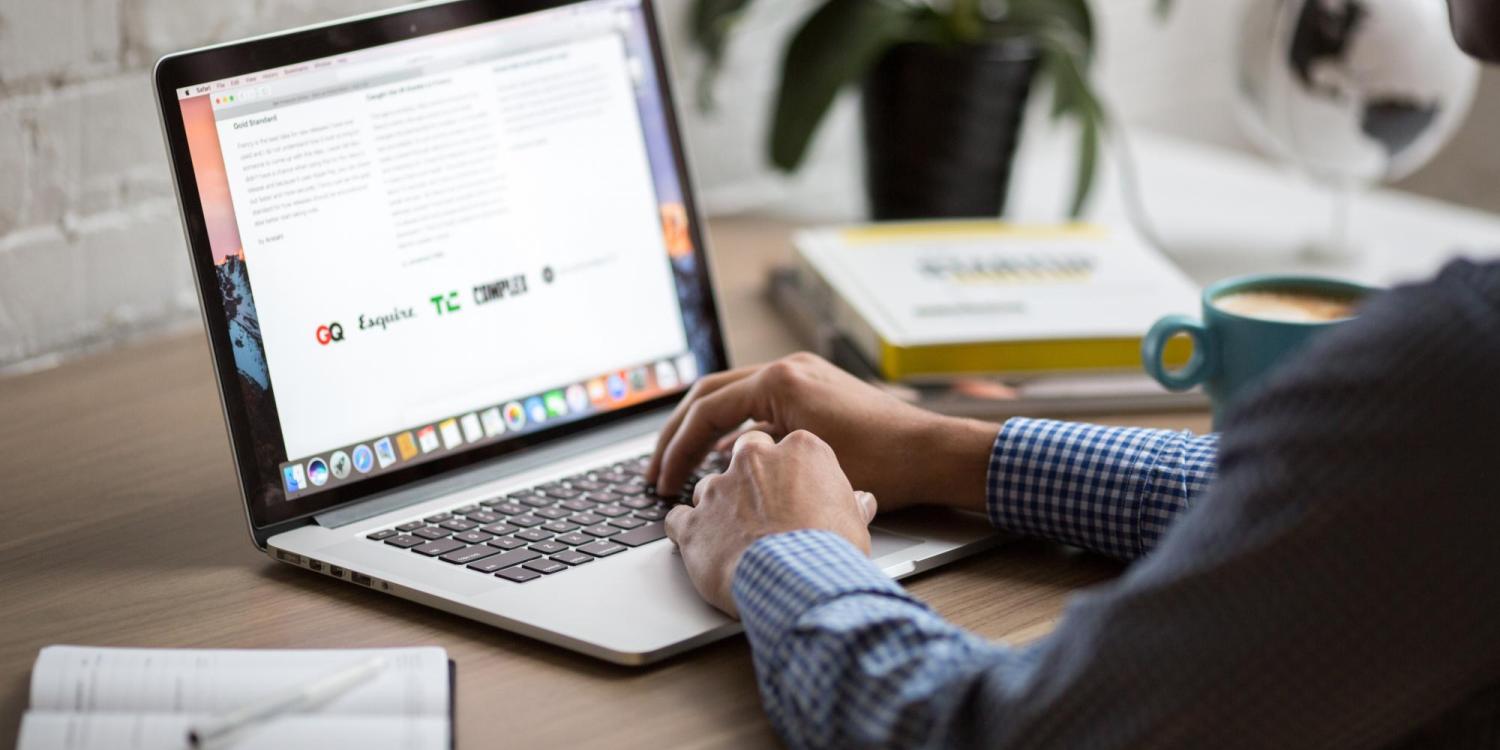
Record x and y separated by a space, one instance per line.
91 249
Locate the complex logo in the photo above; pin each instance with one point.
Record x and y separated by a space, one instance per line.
330 333
499 290
515 416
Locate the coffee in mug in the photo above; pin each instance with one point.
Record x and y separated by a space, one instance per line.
1287 305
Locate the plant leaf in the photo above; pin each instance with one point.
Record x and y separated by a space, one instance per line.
835 47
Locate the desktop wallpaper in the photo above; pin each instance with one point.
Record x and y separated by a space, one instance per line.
235 288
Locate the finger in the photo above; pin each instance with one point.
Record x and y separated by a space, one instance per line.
751 437
702 388
726 443
867 505
704 422
677 519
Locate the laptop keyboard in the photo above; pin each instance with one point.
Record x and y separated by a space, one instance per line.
550 528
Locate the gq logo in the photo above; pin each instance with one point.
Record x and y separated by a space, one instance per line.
330 333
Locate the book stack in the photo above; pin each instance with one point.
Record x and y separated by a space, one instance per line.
987 319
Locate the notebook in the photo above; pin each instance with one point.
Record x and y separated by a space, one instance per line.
86 698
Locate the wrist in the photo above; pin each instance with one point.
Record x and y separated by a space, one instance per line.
955 455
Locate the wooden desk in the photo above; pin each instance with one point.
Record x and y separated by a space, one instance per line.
122 526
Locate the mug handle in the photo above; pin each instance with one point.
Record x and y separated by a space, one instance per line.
1154 347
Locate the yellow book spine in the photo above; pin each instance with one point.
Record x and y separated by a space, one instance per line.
903 363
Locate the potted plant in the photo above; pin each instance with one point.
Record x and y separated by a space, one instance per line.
945 83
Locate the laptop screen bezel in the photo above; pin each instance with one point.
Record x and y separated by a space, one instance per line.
178 71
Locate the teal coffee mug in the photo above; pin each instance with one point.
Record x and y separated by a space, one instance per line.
1249 325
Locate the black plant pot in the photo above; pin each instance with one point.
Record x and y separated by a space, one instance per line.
941 124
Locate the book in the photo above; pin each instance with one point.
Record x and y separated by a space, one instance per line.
940 298
979 396
86 698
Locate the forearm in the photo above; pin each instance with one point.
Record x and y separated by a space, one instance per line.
846 659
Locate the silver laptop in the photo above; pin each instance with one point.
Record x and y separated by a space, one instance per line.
454 280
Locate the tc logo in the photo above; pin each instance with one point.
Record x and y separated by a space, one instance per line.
330 333
445 303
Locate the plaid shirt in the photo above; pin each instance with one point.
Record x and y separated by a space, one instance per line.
1334 586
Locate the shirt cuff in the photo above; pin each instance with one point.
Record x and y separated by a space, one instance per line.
780 577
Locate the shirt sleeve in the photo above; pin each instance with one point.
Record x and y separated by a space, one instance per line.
1112 490
845 658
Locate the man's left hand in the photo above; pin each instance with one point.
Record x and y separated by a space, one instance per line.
769 488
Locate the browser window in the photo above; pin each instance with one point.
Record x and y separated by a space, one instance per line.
451 240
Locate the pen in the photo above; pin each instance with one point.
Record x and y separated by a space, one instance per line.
308 696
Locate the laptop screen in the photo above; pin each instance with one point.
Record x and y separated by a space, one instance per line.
428 247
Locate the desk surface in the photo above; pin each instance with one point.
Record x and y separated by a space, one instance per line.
123 527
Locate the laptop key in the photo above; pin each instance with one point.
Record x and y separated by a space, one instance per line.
459 524
537 501
519 574
431 532
603 548
559 527
438 547
644 535
505 560
651 514
629 489
411 526
601 530
552 513
545 566
563 493
507 542
510 509
614 477
498 529
474 537
586 519
548 548
492 502
381 535
469 554
438 518
533 535
638 503
572 558
586 485
627 522
404 541
612 511
574 538
465 509
577 505
526 521
483 516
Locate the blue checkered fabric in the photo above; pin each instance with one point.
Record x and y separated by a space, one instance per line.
1109 489
1329 583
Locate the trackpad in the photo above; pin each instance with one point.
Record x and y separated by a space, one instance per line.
883 542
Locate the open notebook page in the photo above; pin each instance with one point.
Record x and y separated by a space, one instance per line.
42 730
74 679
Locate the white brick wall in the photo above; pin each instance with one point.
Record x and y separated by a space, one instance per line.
90 246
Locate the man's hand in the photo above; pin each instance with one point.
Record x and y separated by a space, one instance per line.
903 454
768 488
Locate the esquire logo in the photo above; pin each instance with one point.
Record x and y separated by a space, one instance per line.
330 333
386 320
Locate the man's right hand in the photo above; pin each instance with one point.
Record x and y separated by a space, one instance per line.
900 453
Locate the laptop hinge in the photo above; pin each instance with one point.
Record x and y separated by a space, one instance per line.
490 471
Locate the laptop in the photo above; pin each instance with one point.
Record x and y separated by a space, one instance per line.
454 280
